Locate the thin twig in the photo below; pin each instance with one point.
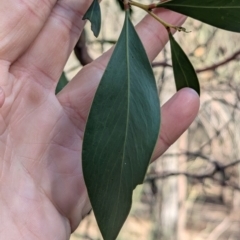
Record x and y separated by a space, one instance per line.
213 67
234 56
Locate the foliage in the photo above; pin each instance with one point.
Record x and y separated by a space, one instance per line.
93 14
123 123
222 14
124 118
184 73
61 83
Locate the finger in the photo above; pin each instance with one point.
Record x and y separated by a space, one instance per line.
20 22
177 115
153 35
50 51
80 91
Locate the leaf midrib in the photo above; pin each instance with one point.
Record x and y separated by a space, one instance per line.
128 107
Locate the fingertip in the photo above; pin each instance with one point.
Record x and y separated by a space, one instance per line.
189 102
177 115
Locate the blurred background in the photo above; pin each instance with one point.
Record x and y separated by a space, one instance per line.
193 191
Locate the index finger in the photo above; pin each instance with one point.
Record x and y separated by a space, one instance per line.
20 22
153 34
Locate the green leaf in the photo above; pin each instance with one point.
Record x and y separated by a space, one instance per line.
121 132
61 83
219 13
93 14
184 73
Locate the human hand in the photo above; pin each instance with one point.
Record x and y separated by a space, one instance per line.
42 192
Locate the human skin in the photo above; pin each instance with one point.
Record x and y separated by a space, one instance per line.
42 191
